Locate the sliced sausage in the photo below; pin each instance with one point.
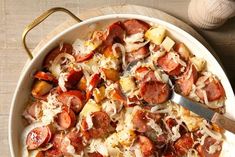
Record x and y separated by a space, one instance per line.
45 76
73 78
114 34
82 58
134 26
117 95
203 150
72 138
101 125
72 98
141 118
169 65
95 154
214 89
94 81
146 146
66 48
55 151
182 50
140 53
141 72
66 118
154 92
185 82
38 137
32 112
183 144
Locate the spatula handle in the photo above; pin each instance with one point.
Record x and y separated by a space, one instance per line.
224 122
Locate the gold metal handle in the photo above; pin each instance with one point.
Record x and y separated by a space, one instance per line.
38 20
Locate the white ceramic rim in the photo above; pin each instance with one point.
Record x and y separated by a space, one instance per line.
90 21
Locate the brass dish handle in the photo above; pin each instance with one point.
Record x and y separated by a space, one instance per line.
38 20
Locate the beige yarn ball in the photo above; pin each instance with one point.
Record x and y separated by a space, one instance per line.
210 14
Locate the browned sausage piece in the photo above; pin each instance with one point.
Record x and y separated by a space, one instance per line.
168 64
46 76
141 118
203 149
154 92
134 26
186 81
73 78
95 154
86 57
37 137
114 34
214 89
146 146
66 48
183 144
66 118
95 80
74 138
141 53
72 98
34 108
55 150
101 125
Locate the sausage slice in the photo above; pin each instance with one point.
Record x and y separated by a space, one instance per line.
214 89
134 26
66 48
66 119
72 98
37 137
186 81
146 146
101 125
183 144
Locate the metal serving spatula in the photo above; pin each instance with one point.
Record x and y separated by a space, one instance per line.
204 112
197 108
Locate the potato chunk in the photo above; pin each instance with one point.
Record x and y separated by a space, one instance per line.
111 74
127 84
99 94
168 43
41 88
156 35
199 63
90 107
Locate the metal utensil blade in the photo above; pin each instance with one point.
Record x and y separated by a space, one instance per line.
193 106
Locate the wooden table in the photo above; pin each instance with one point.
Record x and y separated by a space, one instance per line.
15 15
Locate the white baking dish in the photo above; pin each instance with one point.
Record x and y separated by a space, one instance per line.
23 89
